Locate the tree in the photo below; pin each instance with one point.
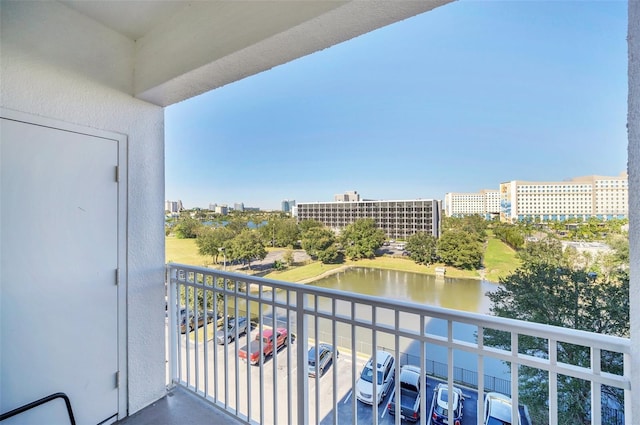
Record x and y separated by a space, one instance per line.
247 246
211 240
512 235
280 231
422 248
460 249
237 224
305 225
361 239
550 288
620 246
187 228
473 224
287 233
288 257
547 251
319 242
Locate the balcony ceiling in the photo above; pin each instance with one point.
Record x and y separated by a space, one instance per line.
185 48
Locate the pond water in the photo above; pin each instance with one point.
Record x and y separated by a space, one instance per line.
459 294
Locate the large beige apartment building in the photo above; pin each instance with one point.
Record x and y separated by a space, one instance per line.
603 197
485 203
398 219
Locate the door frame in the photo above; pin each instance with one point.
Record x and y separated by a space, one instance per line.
122 211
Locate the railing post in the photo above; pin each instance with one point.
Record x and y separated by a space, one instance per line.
172 312
629 408
596 393
302 339
481 384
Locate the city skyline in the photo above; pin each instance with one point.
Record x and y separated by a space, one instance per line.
430 105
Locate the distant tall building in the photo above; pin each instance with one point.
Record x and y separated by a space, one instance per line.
288 205
398 219
173 206
602 197
352 196
221 209
485 203
238 207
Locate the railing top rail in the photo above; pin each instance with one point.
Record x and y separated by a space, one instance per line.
573 336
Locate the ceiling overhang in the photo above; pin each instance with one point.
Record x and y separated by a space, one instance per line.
183 49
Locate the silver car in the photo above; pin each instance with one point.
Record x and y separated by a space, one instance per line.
241 323
325 356
384 372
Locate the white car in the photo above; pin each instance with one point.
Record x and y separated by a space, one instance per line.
385 372
497 410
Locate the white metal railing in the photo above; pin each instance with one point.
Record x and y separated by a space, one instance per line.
353 324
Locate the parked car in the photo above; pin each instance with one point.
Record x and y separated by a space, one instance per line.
497 410
325 356
189 324
440 405
251 351
232 323
385 371
409 394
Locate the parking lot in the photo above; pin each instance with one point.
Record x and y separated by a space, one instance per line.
242 386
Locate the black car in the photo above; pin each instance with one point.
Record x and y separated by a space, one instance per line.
440 405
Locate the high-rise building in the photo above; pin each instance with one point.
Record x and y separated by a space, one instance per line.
602 197
288 205
351 196
398 219
221 209
485 203
238 207
173 206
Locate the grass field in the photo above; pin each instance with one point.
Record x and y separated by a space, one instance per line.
184 251
303 273
499 260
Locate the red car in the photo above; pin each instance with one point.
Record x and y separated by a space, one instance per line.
253 348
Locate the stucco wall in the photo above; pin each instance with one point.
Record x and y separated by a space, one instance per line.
44 71
634 198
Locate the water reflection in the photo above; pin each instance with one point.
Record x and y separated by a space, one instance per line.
458 294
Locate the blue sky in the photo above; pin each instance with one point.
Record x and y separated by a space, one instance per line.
455 100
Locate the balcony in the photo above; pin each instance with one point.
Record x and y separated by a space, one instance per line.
275 392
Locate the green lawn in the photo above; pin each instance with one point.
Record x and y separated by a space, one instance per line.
499 259
300 273
184 251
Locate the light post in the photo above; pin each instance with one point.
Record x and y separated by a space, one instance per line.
224 254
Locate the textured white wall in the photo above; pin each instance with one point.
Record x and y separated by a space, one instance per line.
71 69
634 201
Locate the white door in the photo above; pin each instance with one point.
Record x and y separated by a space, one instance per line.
59 255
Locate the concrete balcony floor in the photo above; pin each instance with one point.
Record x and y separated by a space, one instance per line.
180 407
